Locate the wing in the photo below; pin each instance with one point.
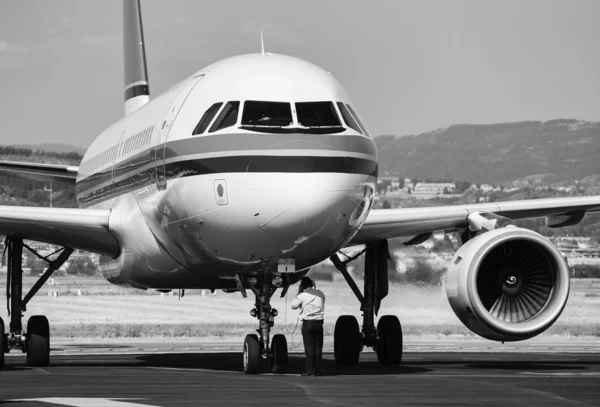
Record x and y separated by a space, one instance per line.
47 171
84 229
390 223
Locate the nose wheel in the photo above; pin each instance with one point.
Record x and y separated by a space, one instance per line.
261 347
279 354
251 354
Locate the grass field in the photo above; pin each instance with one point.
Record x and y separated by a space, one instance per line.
114 312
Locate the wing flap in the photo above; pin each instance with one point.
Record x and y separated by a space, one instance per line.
64 172
83 229
391 223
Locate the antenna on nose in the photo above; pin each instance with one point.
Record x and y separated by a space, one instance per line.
262 43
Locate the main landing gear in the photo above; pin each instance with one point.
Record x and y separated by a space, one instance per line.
386 339
259 347
36 340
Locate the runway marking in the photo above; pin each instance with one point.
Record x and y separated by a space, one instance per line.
216 371
86 402
81 353
481 358
559 360
563 374
44 371
183 369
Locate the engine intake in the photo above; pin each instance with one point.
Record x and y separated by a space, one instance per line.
508 284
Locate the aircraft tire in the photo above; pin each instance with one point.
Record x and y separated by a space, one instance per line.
251 354
279 357
38 341
389 345
346 341
2 343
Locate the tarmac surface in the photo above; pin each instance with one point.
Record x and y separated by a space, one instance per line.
129 373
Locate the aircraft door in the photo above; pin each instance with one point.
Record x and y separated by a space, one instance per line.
165 127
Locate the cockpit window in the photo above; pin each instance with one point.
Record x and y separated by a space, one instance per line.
317 114
207 118
227 117
362 126
268 114
348 119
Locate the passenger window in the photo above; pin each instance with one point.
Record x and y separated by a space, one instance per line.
207 118
362 126
317 114
227 117
271 114
348 119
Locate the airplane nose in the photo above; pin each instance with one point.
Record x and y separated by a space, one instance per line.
255 220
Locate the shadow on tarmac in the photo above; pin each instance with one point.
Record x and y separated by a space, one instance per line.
232 362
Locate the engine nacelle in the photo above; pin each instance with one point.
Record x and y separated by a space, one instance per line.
508 284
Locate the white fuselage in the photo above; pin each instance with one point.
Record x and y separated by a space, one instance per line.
198 209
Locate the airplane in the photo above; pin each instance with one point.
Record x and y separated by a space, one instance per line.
245 175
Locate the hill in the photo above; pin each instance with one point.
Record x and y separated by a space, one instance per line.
556 150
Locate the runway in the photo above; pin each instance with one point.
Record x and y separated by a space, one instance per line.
180 373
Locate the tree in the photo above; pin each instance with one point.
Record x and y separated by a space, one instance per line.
82 266
386 204
461 186
37 266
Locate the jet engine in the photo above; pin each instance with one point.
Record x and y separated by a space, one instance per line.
508 284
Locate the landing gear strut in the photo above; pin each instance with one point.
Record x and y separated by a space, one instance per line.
386 338
257 347
36 340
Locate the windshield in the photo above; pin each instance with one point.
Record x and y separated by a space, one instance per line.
227 117
269 114
348 119
362 126
317 114
207 118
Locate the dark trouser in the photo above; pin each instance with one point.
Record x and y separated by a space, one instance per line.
312 335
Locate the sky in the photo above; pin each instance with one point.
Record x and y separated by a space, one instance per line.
410 66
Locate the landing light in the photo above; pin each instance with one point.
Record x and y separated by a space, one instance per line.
253 312
252 280
277 281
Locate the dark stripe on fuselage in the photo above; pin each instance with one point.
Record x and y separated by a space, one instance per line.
271 163
95 192
138 90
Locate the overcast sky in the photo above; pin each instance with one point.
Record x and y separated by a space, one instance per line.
410 66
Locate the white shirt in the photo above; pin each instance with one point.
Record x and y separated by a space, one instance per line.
312 304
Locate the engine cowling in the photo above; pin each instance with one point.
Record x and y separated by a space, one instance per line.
508 284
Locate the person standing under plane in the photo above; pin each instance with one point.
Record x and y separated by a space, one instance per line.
312 309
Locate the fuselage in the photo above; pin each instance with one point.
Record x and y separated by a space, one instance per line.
253 162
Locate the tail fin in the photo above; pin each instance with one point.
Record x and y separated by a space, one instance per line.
137 92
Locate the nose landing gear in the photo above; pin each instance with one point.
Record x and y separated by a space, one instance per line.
257 347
